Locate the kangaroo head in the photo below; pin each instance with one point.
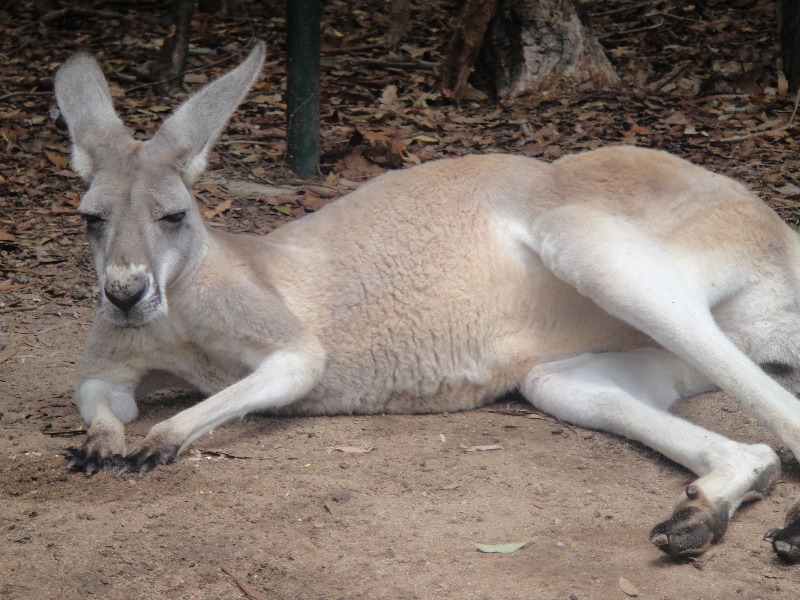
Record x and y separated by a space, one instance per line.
143 224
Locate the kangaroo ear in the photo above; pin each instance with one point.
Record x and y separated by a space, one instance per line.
193 128
85 101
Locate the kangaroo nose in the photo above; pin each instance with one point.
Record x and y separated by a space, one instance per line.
124 298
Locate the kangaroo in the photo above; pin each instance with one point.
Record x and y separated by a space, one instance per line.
604 287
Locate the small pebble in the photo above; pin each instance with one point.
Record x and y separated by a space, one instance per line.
560 545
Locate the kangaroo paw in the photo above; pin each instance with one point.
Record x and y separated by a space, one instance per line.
147 459
693 527
88 460
786 541
103 448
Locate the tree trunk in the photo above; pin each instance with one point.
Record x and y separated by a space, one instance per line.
789 24
399 20
541 47
465 46
302 86
210 7
171 63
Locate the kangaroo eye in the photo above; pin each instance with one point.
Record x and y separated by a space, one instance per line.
174 217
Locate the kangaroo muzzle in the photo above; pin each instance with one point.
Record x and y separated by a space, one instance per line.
125 287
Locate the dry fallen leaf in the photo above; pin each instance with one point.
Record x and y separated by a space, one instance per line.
483 448
538 416
783 83
351 449
10 351
627 587
6 237
54 158
218 209
248 590
501 548
195 78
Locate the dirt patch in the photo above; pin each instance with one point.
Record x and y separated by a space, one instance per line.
272 501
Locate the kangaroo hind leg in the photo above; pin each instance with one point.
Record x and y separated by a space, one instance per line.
629 394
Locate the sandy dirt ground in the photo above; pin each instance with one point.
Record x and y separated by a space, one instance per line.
270 501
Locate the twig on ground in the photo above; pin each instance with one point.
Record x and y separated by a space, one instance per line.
48 92
76 11
419 65
716 97
225 156
629 31
17 309
671 76
677 18
796 101
775 130
623 9
249 590
140 6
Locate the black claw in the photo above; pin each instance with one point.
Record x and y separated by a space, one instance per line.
144 461
85 460
691 530
786 543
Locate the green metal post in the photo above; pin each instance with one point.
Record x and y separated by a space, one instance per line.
302 86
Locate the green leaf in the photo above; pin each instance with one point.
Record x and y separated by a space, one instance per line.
284 208
461 446
558 521
425 139
501 548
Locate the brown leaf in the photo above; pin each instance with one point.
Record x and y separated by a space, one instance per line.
350 449
7 286
783 84
6 237
248 590
54 158
282 199
483 448
627 587
74 202
195 78
10 351
358 167
218 209
324 192
312 201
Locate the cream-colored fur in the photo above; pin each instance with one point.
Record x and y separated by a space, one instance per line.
604 286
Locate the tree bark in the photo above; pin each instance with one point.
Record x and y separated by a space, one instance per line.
210 7
542 47
169 68
399 19
789 25
465 45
